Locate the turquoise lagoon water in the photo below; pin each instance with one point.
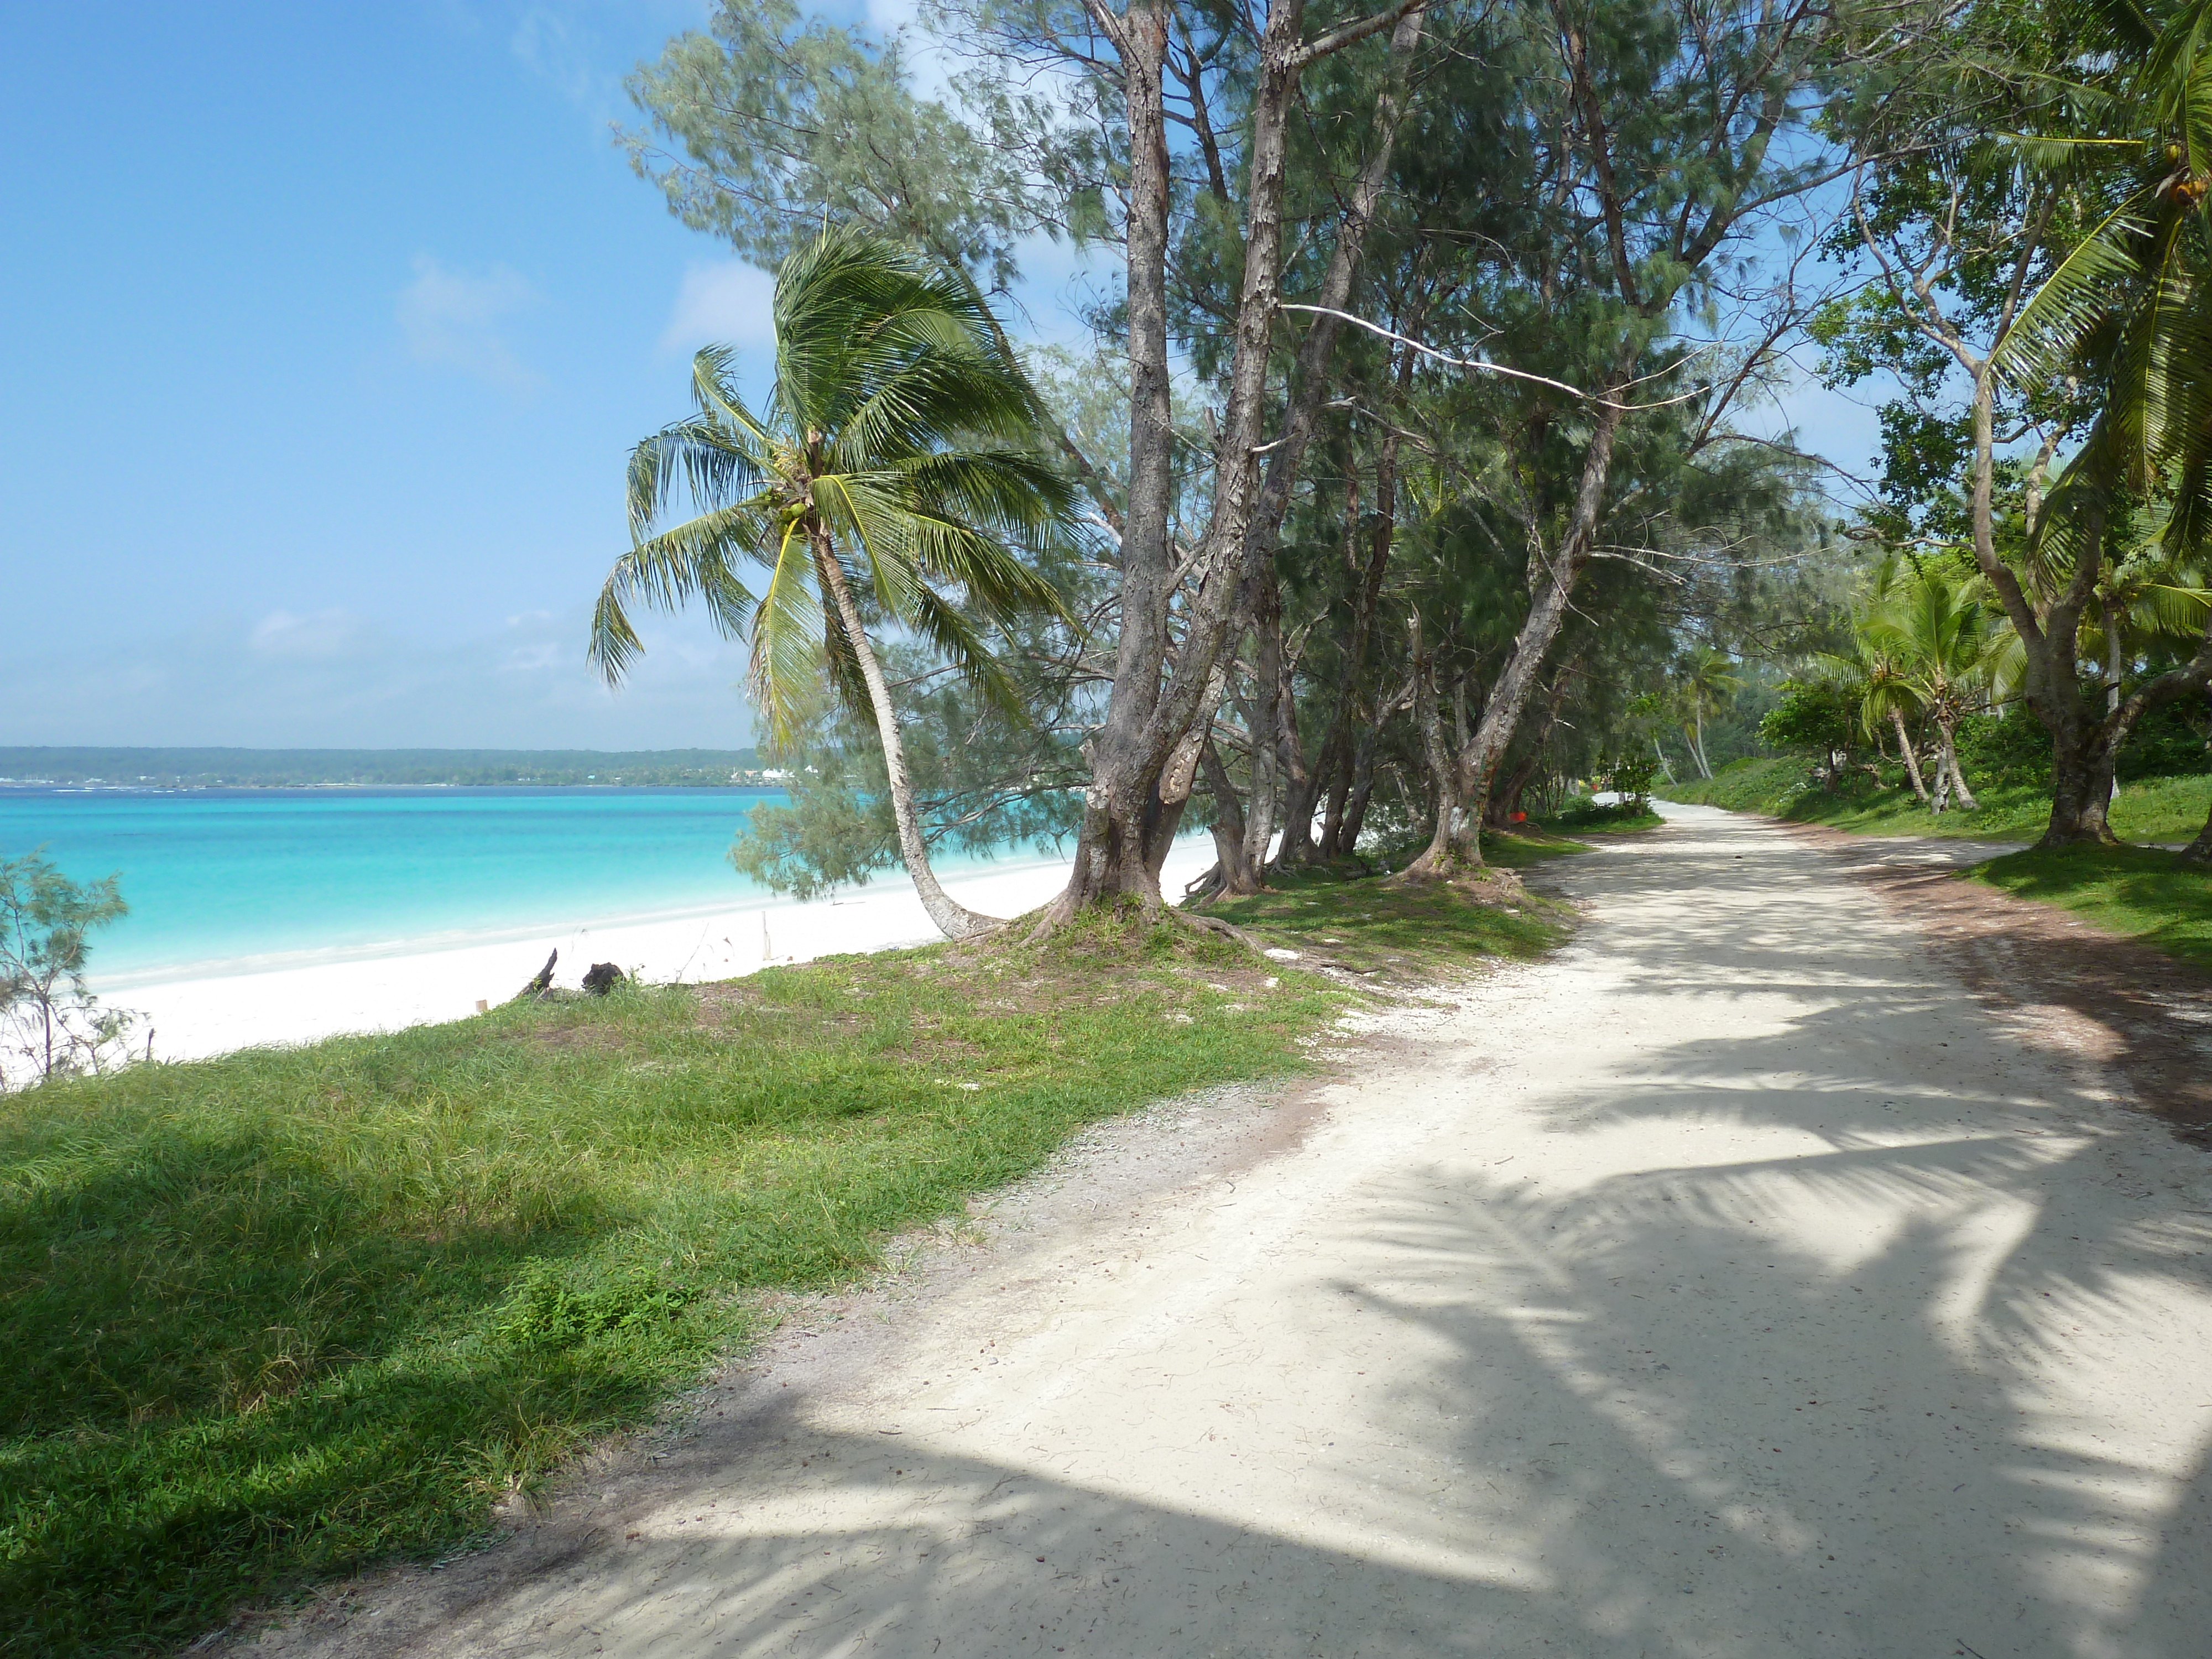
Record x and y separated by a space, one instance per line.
230 880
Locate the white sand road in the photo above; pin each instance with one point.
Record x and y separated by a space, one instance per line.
1730 1284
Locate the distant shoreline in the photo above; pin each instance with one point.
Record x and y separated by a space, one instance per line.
97 766
771 780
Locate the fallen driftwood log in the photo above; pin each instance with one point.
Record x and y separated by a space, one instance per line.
603 977
539 986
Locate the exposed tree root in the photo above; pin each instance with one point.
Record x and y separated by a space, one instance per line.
1214 925
1063 910
1209 884
1487 883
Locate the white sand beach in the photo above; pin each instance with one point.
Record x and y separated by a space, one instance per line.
192 1019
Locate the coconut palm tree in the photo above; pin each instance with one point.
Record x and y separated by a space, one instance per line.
1935 639
1875 676
1704 684
2130 303
890 475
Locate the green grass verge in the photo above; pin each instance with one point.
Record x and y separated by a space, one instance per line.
1406 932
2142 892
2155 810
271 1317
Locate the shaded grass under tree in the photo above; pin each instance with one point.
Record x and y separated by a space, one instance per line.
2142 893
1390 932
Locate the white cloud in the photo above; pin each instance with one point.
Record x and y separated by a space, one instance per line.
453 318
562 53
316 638
725 303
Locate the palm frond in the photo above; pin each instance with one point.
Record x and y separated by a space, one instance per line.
784 630
713 387
2077 296
693 560
941 623
701 451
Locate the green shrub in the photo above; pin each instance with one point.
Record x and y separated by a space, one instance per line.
2012 748
1813 717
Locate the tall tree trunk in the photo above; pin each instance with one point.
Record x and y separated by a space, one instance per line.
1233 871
2081 748
2115 667
1180 776
1301 782
1110 853
1363 790
1156 694
1506 801
1353 702
1951 765
953 919
1911 760
1697 745
2200 850
1555 588
1436 750
1264 722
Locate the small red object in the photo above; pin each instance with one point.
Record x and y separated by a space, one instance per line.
1520 818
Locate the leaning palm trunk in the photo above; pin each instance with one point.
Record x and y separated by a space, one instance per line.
1911 759
1697 736
953 919
1947 768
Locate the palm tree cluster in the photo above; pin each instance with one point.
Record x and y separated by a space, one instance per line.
1924 648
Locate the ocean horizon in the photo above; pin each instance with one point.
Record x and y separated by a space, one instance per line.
232 881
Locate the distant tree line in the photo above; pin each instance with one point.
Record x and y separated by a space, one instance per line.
289 768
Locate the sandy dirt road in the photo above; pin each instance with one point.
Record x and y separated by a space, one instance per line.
1731 1284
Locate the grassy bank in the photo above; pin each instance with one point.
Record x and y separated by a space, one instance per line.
272 1317
2155 810
1388 933
2138 891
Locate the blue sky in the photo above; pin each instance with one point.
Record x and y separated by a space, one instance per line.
329 328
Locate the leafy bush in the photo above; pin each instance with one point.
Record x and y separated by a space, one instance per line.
1631 775
2012 748
2170 741
1812 717
51 1025
1584 813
